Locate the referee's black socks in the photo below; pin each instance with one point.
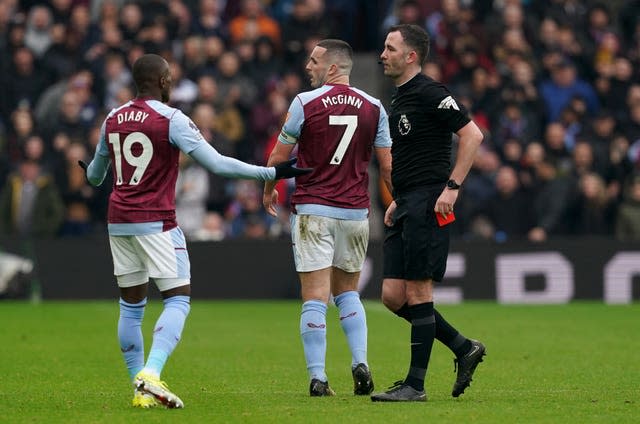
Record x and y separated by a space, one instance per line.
445 333
423 331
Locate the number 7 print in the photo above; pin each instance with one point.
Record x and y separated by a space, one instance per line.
351 121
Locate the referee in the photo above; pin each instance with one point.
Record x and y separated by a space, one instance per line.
423 117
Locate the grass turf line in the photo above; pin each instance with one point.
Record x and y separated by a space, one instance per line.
243 362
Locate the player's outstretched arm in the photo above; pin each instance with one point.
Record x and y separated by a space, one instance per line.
230 167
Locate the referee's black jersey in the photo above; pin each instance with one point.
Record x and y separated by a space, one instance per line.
423 117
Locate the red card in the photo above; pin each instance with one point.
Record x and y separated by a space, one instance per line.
444 220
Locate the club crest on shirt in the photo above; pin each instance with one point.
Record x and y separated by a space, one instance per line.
195 128
404 126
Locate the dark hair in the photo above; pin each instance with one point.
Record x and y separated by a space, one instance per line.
337 46
147 71
416 38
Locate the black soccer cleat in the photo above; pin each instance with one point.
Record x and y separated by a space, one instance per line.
362 381
320 388
466 366
400 392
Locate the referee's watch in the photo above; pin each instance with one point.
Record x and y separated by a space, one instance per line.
453 185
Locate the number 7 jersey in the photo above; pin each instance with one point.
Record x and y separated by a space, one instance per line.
143 139
336 128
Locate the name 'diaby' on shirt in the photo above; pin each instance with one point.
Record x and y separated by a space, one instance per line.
137 116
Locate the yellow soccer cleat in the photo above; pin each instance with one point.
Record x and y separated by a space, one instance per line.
143 400
151 385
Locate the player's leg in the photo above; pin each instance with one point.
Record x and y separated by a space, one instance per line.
132 303
313 253
351 240
132 279
168 263
313 328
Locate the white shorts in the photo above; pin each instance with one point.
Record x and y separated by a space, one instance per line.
161 256
320 242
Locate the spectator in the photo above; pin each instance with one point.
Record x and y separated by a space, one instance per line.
130 20
593 212
266 119
628 217
192 189
252 23
514 123
25 81
30 204
206 119
479 185
553 194
509 210
34 150
267 66
245 214
555 143
116 76
47 109
619 166
564 85
185 91
193 58
77 194
208 20
404 12
64 55
303 23
212 228
229 121
599 132
69 119
22 127
38 36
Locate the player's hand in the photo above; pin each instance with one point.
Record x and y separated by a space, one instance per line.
84 167
269 201
287 170
388 215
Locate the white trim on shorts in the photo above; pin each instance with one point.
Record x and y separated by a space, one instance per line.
161 256
321 242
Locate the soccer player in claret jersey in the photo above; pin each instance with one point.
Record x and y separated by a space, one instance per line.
336 127
141 141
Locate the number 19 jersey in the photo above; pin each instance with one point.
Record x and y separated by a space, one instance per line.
143 139
336 128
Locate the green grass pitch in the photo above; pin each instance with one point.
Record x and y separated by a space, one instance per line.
242 362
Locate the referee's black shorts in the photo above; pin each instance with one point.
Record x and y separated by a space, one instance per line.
416 247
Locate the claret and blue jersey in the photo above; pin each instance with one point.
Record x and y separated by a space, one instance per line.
142 140
336 128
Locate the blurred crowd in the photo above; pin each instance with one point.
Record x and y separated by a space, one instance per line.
554 84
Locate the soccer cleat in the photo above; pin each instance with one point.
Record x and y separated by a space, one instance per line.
466 365
143 400
400 392
150 384
362 382
320 388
